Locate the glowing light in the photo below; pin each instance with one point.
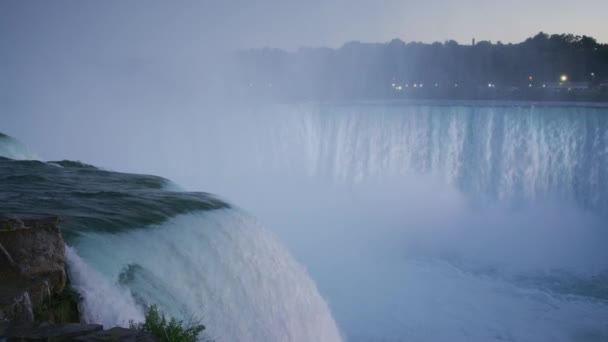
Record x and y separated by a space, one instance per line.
530 78
421 85
393 85
399 88
415 85
564 78
544 86
530 85
436 85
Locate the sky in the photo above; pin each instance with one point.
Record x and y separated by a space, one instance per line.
289 24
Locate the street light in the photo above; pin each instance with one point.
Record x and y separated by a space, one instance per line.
564 78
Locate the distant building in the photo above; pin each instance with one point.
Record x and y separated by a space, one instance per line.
473 42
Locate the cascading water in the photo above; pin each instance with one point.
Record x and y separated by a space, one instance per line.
134 241
13 149
222 268
417 222
500 152
427 222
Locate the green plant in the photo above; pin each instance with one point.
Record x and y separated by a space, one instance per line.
167 331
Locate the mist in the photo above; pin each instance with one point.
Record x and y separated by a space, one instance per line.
388 207
421 220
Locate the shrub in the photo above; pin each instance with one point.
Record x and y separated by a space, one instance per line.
167 331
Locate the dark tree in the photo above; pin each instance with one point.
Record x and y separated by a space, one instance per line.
439 70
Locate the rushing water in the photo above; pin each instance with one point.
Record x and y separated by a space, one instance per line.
135 240
434 222
416 222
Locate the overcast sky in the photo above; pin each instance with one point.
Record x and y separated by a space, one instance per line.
289 24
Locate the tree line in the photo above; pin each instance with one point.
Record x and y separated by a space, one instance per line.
376 70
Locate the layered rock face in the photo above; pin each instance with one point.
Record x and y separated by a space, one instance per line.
32 269
35 302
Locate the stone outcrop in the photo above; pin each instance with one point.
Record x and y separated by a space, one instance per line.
36 303
51 333
32 268
117 334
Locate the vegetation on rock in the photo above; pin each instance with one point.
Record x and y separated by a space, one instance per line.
172 330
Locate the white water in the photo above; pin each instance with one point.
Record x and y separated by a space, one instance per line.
430 300
220 267
103 301
504 153
416 222
13 149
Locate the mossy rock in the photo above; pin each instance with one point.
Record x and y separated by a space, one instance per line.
60 308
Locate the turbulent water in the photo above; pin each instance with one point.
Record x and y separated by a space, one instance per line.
509 152
417 222
435 222
134 240
12 148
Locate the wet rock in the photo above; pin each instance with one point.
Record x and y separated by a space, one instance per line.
51 333
19 310
32 266
117 335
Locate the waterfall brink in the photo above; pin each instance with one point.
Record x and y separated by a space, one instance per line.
444 221
14 149
417 222
136 240
221 268
504 153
